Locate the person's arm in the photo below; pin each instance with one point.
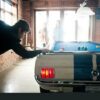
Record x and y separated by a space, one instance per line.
20 50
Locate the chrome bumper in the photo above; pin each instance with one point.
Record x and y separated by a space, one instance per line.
66 83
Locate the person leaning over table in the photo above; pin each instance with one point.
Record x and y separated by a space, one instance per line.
10 37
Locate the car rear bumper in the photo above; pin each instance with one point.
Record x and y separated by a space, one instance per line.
66 83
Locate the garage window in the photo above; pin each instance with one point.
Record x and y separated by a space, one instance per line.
8 11
70 27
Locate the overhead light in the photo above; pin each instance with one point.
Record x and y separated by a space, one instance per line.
82 10
85 11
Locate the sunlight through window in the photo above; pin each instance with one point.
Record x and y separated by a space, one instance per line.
69 26
83 28
41 19
8 11
58 25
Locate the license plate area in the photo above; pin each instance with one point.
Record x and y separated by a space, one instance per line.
92 88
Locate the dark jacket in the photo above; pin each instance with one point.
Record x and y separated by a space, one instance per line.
9 40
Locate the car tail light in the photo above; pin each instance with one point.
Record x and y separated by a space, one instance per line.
47 73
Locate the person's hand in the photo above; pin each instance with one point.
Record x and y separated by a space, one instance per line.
44 51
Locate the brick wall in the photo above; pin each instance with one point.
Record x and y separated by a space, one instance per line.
97 27
27 15
97 31
19 9
62 3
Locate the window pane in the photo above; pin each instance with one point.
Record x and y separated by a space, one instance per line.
8 12
41 20
7 7
14 10
54 27
14 19
83 28
54 16
2 15
2 3
69 26
8 18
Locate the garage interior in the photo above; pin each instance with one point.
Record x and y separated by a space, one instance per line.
17 74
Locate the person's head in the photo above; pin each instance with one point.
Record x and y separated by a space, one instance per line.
22 27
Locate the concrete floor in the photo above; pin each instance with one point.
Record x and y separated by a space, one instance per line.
19 78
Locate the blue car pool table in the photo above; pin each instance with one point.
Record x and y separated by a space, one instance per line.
70 64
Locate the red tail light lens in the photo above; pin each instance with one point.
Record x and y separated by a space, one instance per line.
47 73
51 73
43 73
